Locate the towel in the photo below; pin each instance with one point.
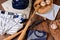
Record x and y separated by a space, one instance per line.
10 22
8 7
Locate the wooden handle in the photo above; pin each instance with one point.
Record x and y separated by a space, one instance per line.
12 36
21 37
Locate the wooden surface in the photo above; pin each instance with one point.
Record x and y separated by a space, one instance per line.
43 26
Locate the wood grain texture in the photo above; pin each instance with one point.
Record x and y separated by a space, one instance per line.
55 32
42 26
13 35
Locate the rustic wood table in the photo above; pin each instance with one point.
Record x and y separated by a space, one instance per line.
43 26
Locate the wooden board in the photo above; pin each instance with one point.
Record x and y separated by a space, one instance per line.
43 26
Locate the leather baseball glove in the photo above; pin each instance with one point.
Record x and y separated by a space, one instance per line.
45 5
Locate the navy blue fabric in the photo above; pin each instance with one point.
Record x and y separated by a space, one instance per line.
23 20
38 37
20 4
2 12
30 32
15 16
44 34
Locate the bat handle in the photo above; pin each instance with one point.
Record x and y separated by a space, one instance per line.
12 36
21 37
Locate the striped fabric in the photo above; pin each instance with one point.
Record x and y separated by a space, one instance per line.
10 22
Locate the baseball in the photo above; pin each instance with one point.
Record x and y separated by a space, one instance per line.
43 3
54 26
48 2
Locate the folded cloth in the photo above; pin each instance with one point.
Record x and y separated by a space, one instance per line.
10 22
8 7
36 35
15 28
51 15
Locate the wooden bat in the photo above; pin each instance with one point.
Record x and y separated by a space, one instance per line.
12 36
22 35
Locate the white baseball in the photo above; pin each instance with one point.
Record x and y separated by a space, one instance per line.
54 26
43 3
